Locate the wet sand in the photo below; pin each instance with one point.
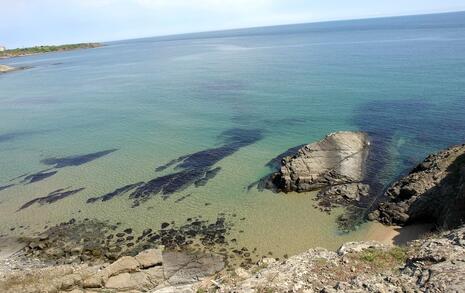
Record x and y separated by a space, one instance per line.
396 235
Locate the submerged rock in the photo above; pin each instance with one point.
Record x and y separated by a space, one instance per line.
76 160
52 197
39 176
434 191
337 159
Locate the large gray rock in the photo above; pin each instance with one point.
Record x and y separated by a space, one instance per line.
149 258
185 268
434 191
339 158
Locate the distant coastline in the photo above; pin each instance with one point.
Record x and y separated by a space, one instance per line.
19 52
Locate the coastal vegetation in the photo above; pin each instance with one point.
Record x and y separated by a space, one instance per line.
46 49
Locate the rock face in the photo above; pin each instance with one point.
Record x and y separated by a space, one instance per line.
337 159
149 271
430 265
345 193
434 191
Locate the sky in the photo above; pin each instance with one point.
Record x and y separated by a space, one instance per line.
40 22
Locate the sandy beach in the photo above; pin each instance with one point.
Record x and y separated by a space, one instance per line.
396 235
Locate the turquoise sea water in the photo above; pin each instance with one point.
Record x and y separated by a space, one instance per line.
245 96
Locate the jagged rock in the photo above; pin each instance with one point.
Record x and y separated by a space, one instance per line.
355 247
434 191
337 159
345 193
435 264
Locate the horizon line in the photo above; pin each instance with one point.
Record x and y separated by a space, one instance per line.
285 24
322 21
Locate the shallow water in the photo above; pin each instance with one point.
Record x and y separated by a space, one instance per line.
239 98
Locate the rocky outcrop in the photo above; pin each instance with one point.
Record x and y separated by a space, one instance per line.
337 159
151 270
435 264
430 265
345 193
434 191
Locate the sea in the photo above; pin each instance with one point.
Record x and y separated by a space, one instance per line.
160 131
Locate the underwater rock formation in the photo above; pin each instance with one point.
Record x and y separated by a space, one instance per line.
195 169
51 197
75 160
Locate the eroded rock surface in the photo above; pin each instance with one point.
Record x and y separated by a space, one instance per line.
152 270
436 264
337 159
434 191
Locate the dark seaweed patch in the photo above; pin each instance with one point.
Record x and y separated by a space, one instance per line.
95 241
51 197
167 184
6 186
167 165
117 192
210 174
76 160
196 169
42 175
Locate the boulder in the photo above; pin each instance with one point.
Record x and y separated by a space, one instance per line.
185 268
339 158
125 264
149 258
127 281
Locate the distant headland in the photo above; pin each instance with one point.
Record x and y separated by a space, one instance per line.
9 53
